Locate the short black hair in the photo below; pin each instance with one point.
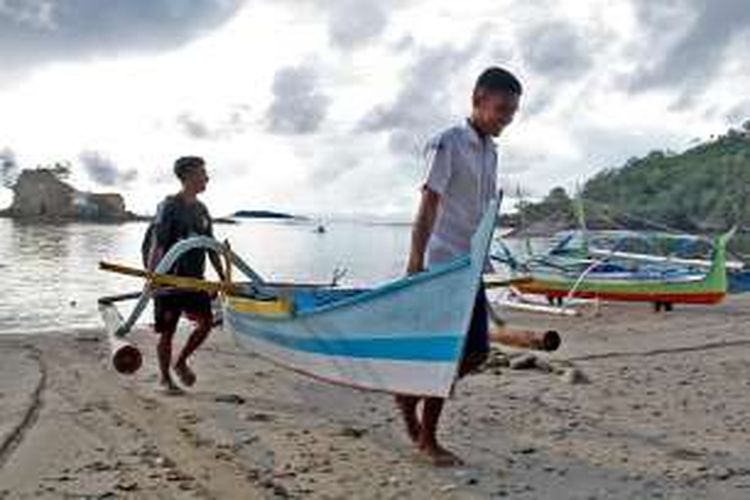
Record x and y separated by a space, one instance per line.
495 79
185 164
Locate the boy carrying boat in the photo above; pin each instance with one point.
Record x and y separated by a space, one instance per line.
178 217
461 181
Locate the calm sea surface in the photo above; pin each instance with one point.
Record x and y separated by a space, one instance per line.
50 280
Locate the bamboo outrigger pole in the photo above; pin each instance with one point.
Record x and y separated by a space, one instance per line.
170 280
493 281
526 339
126 358
501 333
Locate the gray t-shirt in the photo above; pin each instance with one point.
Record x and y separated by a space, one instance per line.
177 219
462 169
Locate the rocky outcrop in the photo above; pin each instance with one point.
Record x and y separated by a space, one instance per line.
41 194
38 193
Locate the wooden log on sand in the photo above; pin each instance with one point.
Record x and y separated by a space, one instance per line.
526 339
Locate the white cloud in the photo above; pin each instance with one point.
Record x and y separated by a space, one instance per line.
692 60
353 23
103 171
296 107
38 31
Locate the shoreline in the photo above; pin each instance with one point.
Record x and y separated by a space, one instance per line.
131 217
664 414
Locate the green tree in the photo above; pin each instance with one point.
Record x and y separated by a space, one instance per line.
703 189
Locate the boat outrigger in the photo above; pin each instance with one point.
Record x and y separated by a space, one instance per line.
611 274
399 337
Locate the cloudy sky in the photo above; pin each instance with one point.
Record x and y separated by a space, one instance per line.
322 106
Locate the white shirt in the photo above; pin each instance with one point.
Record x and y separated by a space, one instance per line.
462 169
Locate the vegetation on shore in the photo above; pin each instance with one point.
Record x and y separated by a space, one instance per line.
705 189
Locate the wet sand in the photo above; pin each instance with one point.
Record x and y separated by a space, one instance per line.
633 405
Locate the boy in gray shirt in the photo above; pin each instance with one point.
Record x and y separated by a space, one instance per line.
178 217
461 181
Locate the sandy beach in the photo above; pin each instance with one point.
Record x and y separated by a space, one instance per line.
633 405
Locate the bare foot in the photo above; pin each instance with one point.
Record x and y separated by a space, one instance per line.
185 374
169 388
408 407
439 456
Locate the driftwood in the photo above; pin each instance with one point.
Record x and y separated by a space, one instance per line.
526 339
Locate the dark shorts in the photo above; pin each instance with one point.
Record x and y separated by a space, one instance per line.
168 308
477 339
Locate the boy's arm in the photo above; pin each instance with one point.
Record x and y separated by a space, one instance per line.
216 263
212 255
157 252
160 235
439 172
420 234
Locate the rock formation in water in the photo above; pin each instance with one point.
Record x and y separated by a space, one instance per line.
40 194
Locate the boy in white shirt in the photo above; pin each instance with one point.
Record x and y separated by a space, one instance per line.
461 181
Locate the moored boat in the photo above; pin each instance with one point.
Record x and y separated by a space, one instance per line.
597 277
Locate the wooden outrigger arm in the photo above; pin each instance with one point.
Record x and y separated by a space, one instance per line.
160 277
169 280
492 281
125 356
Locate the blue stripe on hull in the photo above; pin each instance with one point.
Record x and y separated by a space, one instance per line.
438 347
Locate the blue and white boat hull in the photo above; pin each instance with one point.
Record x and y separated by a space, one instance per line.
405 337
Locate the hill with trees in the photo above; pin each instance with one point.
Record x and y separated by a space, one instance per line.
705 189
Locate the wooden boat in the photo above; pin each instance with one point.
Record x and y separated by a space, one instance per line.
646 247
406 336
620 265
562 277
739 282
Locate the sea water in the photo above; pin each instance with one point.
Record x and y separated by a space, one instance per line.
49 277
50 281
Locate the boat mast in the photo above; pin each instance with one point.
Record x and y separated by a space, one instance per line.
581 216
522 220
